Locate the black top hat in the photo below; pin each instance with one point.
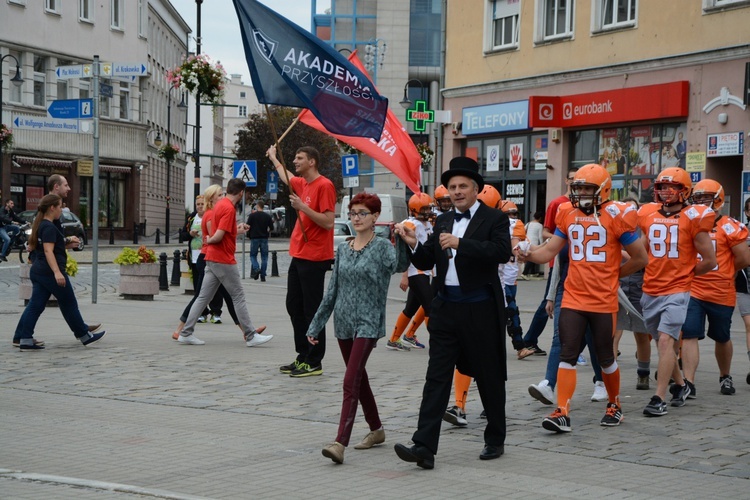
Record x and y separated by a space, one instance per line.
462 165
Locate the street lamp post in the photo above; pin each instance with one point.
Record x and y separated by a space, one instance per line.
182 105
197 143
375 50
17 80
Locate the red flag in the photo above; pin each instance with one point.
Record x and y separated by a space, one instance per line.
395 149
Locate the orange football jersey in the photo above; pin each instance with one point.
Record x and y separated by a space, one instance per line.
595 250
671 246
717 286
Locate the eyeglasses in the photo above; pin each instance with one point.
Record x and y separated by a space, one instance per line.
358 215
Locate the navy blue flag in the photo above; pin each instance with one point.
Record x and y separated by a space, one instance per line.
291 67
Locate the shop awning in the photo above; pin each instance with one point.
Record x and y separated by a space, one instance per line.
115 168
42 162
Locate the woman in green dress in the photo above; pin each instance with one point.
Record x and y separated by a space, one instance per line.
356 296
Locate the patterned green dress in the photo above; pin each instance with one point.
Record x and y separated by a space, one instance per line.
358 289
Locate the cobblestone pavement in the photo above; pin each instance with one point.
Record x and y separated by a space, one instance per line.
138 415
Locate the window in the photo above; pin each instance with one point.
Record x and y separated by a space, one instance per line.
614 14
124 101
104 101
84 90
504 27
555 19
51 5
117 19
242 111
424 39
86 10
15 90
719 5
40 77
62 89
142 20
243 95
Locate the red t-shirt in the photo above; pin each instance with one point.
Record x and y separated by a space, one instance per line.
224 217
320 195
208 215
550 217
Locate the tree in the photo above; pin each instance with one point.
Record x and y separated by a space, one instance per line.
255 137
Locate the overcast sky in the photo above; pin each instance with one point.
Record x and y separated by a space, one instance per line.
220 28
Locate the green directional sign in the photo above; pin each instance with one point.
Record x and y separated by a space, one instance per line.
420 116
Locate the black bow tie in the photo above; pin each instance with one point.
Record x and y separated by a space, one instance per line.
465 215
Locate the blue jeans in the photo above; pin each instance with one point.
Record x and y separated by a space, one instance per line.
261 244
539 321
44 286
553 361
6 233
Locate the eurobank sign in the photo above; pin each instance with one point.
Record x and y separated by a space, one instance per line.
651 102
504 117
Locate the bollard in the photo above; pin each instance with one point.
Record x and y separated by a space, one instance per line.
176 269
274 265
111 235
158 237
135 233
163 284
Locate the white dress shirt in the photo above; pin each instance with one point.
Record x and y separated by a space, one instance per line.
459 228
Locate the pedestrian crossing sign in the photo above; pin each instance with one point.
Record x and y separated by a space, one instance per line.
247 170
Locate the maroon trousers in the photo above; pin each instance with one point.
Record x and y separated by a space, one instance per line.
356 387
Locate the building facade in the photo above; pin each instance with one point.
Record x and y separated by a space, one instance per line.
536 86
54 43
399 43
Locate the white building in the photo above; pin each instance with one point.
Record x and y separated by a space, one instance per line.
44 35
241 103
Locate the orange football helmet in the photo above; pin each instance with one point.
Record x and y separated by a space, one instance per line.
708 192
490 196
672 186
595 176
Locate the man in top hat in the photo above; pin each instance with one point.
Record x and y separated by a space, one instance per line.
467 314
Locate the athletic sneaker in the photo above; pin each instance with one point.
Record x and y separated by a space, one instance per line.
201 319
600 392
290 367
258 339
613 416
643 383
397 346
189 340
412 342
557 422
693 392
92 337
538 351
455 416
655 408
542 392
726 385
216 320
305 370
679 395
582 360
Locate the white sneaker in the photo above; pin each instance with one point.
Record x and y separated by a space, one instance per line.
582 360
600 392
258 339
542 392
190 340
216 320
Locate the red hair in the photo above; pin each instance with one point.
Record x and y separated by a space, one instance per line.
371 201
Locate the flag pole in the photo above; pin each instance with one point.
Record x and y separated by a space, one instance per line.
277 141
289 129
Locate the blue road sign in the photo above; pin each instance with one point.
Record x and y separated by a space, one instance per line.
350 165
71 109
247 170
272 183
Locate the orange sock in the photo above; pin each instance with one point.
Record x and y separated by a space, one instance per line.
416 322
462 383
612 383
566 386
401 323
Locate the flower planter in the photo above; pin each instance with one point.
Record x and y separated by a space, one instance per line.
25 287
139 281
186 281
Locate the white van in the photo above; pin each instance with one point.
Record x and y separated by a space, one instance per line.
393 208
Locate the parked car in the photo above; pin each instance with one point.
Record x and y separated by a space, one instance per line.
342 231
72 225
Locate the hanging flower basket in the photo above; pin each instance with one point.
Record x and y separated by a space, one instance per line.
198 74
169 152
426 153
6 138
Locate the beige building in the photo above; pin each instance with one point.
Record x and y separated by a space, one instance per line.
535 86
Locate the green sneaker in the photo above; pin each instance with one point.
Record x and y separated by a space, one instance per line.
290 367
305 370
216 320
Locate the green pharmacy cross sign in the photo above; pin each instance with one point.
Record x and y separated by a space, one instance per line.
420 116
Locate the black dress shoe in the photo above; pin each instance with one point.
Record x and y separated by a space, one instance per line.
490 452
422 456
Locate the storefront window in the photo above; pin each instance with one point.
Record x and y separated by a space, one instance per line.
632 155
111 200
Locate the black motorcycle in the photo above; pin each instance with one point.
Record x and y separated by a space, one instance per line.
19 240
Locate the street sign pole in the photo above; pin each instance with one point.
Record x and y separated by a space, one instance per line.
95 195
